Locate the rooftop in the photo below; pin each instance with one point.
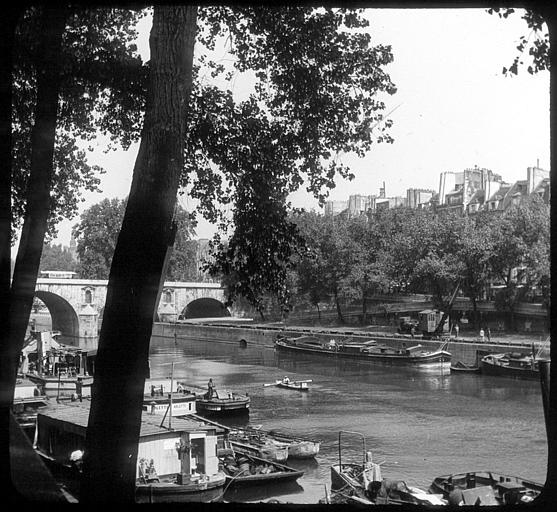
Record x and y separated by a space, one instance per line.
77 413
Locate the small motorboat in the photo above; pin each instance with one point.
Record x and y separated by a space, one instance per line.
286 382
246 469
460 367
362 482
485 488
222 402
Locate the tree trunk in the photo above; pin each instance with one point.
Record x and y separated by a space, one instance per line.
475 312
339 311
38 197
136 273
364 307
8 25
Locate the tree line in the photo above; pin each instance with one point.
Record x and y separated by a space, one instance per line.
348 260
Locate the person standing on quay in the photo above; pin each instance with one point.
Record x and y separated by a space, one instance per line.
482 335
488 335
456 330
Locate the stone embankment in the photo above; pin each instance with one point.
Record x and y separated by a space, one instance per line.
465 349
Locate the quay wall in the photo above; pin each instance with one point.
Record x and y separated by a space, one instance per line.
461 350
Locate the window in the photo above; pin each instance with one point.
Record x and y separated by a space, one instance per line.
167 296
88 297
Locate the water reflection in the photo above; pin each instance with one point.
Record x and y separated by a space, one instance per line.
259 492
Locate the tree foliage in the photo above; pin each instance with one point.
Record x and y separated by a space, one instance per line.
533 49
102 91
317 93
57 257
97 232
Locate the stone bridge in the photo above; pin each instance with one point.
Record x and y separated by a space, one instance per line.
76 306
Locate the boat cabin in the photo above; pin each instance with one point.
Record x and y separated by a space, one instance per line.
184 452
429 319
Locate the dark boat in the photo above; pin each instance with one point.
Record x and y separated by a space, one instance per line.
245 469
222 402
366 351
511 364
460 367
485 488
174 464
361 482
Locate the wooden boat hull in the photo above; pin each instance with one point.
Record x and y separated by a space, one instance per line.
247 473
488 368
439 358
269 452
460 367
222 406
302 386
156 492
303 449
168 492
340 478
505 489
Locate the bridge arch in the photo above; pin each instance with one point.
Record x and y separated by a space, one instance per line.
204 308
63 315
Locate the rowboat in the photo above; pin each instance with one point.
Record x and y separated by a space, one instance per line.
362 482
485 488
266 450
460 367
370 350
285 382
244 469
298 447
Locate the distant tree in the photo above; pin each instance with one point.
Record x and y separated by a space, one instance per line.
519 235
366 275
183 258
96 234
57 257
474 250
325 265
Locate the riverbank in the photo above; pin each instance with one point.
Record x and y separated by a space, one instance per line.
465 348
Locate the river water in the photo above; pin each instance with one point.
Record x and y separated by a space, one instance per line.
419 423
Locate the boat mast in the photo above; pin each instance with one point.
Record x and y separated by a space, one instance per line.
171 387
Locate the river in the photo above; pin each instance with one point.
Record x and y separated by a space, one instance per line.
419 423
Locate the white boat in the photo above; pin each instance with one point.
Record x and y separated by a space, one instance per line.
286 382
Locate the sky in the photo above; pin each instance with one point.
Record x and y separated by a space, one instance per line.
453 109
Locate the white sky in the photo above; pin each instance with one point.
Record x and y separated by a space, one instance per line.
455 109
